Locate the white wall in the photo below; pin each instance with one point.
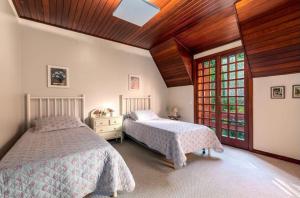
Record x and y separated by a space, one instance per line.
98 68
183 98
10 81
276 121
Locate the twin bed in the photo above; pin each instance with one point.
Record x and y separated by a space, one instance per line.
62 157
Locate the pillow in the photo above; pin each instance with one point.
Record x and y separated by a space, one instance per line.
144 115
56 123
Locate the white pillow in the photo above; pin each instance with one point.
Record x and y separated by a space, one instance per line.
56 123
144 115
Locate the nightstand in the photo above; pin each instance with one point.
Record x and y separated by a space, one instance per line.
108 127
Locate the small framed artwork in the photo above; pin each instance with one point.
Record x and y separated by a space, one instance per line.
134 82
296 91
58 77
278 92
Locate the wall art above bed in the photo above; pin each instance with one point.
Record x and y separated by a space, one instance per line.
58 77
134 82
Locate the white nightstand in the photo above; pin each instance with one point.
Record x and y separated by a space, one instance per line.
108 127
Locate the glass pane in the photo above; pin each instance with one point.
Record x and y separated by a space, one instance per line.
240 74
213 108
212 85
232 75
232 58
231 92
224 132
241 135
232 84
232 101
206 64
232 134
240 83
206 71
212 70
206 100
212 78
232 67
213 100
240 65
224 76
224 92
240 56
240 92
224 108
241 109
241 101
224 60
232 109
224 68
224 101
206 85
212 93
224 84
212 63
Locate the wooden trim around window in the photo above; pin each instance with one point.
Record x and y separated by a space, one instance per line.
248 94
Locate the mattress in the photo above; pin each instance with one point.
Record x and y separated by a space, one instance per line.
64 163
173 138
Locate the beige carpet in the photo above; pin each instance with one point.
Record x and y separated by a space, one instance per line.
233 173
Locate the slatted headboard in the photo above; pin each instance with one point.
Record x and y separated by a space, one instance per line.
44 106
130 104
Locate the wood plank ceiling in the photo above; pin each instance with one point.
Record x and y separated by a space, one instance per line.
271 34
94 17
170 57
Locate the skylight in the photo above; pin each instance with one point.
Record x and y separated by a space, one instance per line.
137 12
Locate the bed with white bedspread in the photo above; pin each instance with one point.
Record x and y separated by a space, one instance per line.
172 138
65 163
59 156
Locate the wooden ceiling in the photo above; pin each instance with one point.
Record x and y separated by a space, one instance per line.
271 34
94 17
174 62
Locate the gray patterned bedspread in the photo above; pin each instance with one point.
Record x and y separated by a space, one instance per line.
173 138
66 163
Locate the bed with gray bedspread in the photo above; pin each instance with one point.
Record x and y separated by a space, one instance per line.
64 163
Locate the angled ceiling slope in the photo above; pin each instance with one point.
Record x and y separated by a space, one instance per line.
174 63
95 17
271 34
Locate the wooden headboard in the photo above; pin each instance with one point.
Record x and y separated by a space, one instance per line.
44 106
130 104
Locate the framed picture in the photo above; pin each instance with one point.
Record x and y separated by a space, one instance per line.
296 91
278 92
134 82
58 77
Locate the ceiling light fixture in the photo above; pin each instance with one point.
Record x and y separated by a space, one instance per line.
137 12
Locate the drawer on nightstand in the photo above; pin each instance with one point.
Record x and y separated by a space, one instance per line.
102 122
104 129
115 121
110 135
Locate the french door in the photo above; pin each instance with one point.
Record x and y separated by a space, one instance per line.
221 88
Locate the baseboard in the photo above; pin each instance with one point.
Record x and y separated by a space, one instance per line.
288 159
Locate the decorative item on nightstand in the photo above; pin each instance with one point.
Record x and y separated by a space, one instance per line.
106 126
174 115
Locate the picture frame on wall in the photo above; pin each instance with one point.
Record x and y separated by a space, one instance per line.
58 77
134 82
278 92
296 91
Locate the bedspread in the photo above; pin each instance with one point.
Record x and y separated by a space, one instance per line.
66 163
173 138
